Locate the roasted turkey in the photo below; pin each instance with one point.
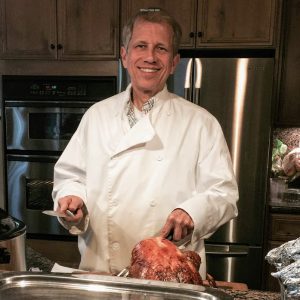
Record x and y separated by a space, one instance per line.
159 259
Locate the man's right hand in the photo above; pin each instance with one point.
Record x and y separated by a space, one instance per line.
72 203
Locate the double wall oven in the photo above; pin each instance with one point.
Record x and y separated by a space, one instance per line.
40 116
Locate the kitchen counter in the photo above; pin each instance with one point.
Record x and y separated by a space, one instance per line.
284 207
36 262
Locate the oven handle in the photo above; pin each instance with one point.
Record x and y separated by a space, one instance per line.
32 158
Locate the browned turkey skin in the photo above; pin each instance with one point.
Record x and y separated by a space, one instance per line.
159 259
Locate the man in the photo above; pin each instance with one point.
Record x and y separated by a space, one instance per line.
144 162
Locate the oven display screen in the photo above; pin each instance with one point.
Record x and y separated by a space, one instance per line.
53 126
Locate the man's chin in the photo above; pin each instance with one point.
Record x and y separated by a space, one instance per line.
150 89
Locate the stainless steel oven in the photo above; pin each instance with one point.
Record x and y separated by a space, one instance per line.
32 126
40 116
30 182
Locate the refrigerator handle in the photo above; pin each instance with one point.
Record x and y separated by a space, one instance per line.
187 82
227 250
120 76
198 81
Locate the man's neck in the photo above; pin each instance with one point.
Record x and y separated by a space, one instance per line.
139 99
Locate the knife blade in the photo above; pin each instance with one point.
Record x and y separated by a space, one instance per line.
183 242
54 213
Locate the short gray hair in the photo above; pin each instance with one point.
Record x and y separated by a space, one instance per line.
153 16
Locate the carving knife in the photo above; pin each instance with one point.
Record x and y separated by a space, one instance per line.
54 213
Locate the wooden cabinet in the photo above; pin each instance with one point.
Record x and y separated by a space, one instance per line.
185 12
283 227
28 28
288 113
60 29
237 23
218 23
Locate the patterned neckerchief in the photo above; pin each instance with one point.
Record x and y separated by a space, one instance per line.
146 108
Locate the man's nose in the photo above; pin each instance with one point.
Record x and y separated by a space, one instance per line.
150 55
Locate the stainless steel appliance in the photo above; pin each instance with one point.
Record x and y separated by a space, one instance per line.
25 285
40 116
12 243
237 90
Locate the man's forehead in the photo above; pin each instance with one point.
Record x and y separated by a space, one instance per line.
140 23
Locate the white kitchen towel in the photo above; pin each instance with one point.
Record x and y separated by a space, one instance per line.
61 269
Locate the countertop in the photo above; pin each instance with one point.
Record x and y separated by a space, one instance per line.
36 262
284 207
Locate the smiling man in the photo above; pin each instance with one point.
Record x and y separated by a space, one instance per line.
144 162
149 59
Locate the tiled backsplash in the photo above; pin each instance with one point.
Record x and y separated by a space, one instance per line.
289 136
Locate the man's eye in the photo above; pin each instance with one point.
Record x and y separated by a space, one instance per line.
163 49
140 46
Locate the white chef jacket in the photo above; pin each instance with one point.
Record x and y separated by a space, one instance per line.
132 178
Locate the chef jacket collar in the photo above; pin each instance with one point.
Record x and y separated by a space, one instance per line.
159 98
143 131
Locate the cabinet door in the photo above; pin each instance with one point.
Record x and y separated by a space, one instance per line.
284 227
289 105
237 23
183 11
88 29
28 28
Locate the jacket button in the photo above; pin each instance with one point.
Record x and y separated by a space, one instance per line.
115 246
159 158
114 202
152 203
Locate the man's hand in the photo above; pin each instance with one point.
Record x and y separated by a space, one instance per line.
72 203
179 223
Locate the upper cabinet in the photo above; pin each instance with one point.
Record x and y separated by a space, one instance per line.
237 23
288 113
185 12
28 28
59 29
218 23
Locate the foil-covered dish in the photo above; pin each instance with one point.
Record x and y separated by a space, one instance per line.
290 278
286 259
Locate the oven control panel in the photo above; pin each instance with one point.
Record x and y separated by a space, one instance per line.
58 89
90 88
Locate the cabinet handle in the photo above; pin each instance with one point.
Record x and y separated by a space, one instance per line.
52 46
59 46
200 34
150 9
192 34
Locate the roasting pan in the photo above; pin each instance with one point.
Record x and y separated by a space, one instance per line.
33 286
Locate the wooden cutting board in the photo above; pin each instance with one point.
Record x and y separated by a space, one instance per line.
229 285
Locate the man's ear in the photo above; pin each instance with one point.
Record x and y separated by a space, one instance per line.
176 60
123 53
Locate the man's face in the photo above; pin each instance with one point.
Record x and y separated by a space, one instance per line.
149 57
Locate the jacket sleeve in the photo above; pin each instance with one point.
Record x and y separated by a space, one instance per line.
214 201
69 177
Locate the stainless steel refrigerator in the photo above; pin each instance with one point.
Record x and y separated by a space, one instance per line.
238 92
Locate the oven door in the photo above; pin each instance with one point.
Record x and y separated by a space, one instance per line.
30 183
41 128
